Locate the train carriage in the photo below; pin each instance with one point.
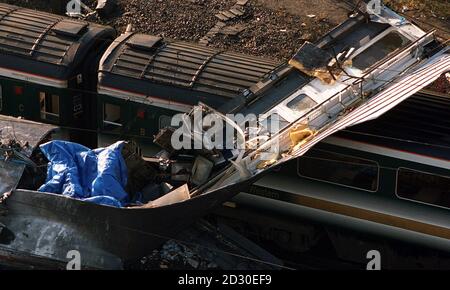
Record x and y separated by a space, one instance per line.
380 185
145 79
48 67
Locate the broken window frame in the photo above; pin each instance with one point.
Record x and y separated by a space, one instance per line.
45 99
361 50
415 171
108 124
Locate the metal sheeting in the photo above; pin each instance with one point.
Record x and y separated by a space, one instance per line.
421 118
191 66
21 131
10 174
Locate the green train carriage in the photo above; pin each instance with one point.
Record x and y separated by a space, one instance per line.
48 68
145 79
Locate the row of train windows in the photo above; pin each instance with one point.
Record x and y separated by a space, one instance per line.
364 174
49 104
112 118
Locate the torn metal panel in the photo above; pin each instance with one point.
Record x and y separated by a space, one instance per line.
10 174
41 228
24 136
48 226
361 111
401 60
23 131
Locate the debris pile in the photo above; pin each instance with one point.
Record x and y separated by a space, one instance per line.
12 149
237 11
208 246
174 255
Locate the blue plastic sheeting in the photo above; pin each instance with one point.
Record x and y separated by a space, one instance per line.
97 176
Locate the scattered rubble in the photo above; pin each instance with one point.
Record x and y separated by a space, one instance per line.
247 26
235 13
205 246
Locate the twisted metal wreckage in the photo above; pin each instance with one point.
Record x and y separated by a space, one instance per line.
355 73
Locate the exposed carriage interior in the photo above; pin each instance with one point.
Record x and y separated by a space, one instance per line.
166 178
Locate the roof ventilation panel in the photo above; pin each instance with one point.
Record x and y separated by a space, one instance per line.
70 28
144 42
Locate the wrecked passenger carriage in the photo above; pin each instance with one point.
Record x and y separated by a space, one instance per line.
39 229
143 80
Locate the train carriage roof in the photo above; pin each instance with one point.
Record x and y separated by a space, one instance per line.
144 64
43 47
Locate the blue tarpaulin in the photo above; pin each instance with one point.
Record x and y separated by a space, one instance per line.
98 175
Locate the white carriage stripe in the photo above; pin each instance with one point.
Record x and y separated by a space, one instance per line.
33 78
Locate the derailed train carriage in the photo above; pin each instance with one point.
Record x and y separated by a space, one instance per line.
382 185
144 80
78 75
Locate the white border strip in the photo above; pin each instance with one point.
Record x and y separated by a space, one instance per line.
384 151
33 78
147 100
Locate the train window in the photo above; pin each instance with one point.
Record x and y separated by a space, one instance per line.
301 104
49 106
379 50
112 118
339 169
423 187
